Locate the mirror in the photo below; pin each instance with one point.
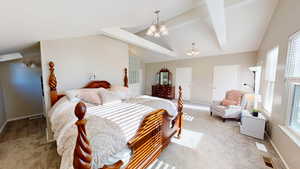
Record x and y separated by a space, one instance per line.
164 77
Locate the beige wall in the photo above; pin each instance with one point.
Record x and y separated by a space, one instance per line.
21 88
77 58
202 68
284 23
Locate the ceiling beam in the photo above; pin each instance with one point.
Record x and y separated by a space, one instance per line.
216 10
133 39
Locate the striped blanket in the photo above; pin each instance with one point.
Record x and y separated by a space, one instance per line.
127 115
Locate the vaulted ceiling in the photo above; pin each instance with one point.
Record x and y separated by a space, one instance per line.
235 26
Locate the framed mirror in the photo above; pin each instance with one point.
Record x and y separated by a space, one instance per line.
165 77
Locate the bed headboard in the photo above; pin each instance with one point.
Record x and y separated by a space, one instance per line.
52 82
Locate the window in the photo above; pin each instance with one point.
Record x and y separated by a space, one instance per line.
292 75
295 115
270 77
293 57
134 69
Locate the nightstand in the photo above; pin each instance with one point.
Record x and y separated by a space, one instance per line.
252 126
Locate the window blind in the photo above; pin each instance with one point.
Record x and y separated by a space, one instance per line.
293 57
134 69
271 64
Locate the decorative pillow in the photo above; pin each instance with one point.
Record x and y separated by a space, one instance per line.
90 97
227 102
108 96
121 91
72 95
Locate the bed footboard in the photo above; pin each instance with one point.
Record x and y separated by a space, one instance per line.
152 137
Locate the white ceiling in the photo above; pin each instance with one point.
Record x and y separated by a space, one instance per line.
246 22
24 23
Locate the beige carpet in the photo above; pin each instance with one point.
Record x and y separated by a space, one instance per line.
207 143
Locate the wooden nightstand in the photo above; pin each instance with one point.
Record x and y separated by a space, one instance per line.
252 126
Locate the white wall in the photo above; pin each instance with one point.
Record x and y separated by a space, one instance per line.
202 76
77 58
284 23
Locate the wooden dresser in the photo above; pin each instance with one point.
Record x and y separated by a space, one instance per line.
163 91
164 88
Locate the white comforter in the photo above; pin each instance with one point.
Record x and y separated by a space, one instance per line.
127 115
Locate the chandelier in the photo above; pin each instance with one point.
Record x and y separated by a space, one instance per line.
193 51
156 29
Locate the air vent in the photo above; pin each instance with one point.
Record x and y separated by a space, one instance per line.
268 161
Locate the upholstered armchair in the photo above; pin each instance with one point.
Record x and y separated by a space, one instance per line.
230 107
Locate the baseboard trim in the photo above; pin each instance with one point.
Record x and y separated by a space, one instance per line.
3 126
24 117
277 151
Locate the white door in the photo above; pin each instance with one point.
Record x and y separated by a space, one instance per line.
184 79
225 78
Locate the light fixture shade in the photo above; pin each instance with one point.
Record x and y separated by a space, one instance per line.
149 33
156 34
193 51
153 28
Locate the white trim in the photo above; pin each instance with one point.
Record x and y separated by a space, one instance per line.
280 156
3 126
293 135
24 117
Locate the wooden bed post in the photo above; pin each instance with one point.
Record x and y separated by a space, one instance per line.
82 152
52 84
125 78
180 112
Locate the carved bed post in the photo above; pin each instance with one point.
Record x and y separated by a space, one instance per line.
125 78
82 152
52 84
180 112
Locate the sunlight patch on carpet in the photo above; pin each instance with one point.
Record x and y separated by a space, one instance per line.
159 164
189 139
261 147
188 117
196 107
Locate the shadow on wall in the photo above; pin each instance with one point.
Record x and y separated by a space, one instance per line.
21 86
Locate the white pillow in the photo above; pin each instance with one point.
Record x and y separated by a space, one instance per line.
108 96
121 91
73 94
90 97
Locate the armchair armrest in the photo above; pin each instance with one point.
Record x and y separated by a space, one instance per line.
235 107
216 102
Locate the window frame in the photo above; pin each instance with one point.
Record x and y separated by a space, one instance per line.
291 89
291 83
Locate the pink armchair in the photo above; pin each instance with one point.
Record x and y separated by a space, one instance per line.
230 107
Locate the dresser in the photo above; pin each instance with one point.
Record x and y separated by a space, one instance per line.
163 91
163 87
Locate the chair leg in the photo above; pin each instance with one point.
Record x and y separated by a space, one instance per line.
210 113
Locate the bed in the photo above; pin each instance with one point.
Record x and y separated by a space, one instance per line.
130 134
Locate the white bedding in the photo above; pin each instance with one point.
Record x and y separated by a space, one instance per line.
127 115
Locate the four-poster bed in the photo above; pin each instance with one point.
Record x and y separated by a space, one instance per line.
152 137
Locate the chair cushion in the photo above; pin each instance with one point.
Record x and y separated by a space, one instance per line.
234 95
227 102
